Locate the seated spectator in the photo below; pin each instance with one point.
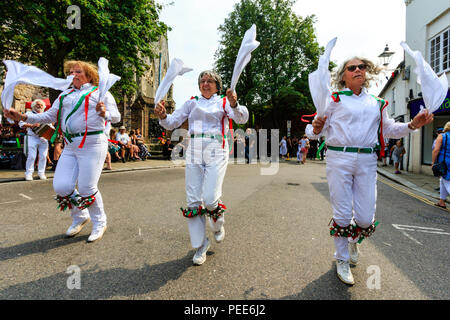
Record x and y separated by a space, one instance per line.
134 146
144 153
113 148
124 143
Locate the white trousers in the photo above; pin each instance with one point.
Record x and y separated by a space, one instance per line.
206 165
36 144
352 181
82 168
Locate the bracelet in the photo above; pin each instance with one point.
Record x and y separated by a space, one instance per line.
411 126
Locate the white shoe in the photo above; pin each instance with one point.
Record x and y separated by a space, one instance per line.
200 255
343 272
354 252
42 177
75 228
97 234
29 177
219 235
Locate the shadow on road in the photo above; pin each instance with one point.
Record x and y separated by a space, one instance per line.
39 246
327 287
102 284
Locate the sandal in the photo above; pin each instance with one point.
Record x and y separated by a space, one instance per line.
438 205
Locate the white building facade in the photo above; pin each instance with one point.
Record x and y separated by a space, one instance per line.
428 31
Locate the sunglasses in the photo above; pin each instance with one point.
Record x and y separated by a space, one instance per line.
361 67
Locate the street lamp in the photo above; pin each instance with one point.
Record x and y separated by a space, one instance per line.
386 56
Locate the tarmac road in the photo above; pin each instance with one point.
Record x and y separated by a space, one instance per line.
277 244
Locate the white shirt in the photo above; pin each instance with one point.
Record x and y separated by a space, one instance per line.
124 138
76 123
205 115
30 131
354 121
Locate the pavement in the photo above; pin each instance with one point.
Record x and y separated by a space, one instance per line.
425 184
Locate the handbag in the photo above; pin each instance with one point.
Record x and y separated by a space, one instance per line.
440 169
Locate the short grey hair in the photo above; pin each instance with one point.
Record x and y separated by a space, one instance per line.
217 78
34 103
372 70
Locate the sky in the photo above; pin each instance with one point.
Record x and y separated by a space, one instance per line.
362 27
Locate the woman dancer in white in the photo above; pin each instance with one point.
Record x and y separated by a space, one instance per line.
206 156
352 123
35 144
81 119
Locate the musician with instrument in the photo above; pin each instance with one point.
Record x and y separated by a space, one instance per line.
35 143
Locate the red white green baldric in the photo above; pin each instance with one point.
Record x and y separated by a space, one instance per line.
383 104
230 124
58 130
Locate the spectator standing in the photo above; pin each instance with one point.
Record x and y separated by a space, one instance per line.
289 148
397 153
441 148
303 146
167 149
283 147
312 152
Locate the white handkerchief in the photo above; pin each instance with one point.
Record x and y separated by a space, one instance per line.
106 79
19 73
176 68
320 80
434 88
248 44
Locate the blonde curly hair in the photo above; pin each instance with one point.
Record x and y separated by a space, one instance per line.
90 69
372 70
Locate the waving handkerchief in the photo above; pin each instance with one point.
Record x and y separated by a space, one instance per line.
19 73
320 80
248 44
176 69
434 88
106 79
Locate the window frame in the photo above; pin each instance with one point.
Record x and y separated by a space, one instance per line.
436 55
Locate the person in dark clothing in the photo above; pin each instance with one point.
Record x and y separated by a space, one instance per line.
313 149
167 149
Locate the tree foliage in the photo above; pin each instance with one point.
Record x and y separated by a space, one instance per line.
274 85
37 32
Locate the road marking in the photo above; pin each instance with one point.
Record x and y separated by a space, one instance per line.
419 229
402 189
9 202
408 236
15 201
25 196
